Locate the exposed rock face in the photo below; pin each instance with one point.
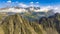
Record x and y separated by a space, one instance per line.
51 24
15 24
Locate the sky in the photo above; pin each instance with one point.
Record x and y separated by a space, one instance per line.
4 3
55 4
40 1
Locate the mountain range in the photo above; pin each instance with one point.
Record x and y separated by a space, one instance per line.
17 24
31 20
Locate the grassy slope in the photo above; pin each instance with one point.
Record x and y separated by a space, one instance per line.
17 25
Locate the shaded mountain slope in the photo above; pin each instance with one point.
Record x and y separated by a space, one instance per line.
52 22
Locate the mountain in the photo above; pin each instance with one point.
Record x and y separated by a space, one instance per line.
51 22
33 22
36 12
15 24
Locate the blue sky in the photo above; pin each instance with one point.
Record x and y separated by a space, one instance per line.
41 2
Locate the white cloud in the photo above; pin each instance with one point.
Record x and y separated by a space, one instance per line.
37 2
9 1
22 5
31 2
56 8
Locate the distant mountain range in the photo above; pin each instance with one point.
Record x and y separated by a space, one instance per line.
20 9
33 10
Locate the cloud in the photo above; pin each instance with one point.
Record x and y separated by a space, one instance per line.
55 8
29 5
9 1
37 2
22 5
31 2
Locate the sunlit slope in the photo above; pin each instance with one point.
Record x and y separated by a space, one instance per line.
15 24
1 30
